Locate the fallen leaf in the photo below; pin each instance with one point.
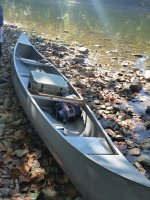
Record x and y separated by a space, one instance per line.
38 173
19 135
38 153
24 169
4 182
35 164
2 147
30 161
72 191
15 173
7 158
24 179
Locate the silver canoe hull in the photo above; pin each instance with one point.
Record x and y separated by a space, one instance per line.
107 176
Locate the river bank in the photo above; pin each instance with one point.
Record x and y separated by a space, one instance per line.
119 99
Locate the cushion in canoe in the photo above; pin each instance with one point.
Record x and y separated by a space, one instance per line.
48 83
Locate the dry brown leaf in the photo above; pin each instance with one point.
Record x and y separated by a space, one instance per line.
9 150
30 162
4 182
38 173
24 169
37 154
62 179
65 178
19 135
24 179
72 192
35 164
20 197
2 147
15 173
7 158
51 179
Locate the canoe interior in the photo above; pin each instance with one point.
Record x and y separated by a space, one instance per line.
27 51
84 133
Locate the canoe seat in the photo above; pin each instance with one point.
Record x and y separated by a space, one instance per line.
90 145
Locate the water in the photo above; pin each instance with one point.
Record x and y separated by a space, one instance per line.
98 24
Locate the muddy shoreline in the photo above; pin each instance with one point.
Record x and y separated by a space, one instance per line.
119 98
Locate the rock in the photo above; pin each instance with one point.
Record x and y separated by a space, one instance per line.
121 145
119 138
144 159
66 31
5 86
68 198
2 108
12 117
146 140
97 102
106 123
8 101
9 131
103 107
146 143
80 56
18 135
140 168
83 50
124 63
35 196
134 151
138 55
130 143
78 60
21 152
92 105
2 127
147 111
3 118
126 90
97 45
136 86
116 127
147 75
43 61
63 48
117 108
41 196
80 84
89 74
111 133
4 192
109 108
49 193
17 122
147 125
129 112
79 198
11 49
1 101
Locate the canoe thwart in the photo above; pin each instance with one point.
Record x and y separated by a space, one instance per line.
58 98
31 61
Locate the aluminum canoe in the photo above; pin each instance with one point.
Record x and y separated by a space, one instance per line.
82 148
